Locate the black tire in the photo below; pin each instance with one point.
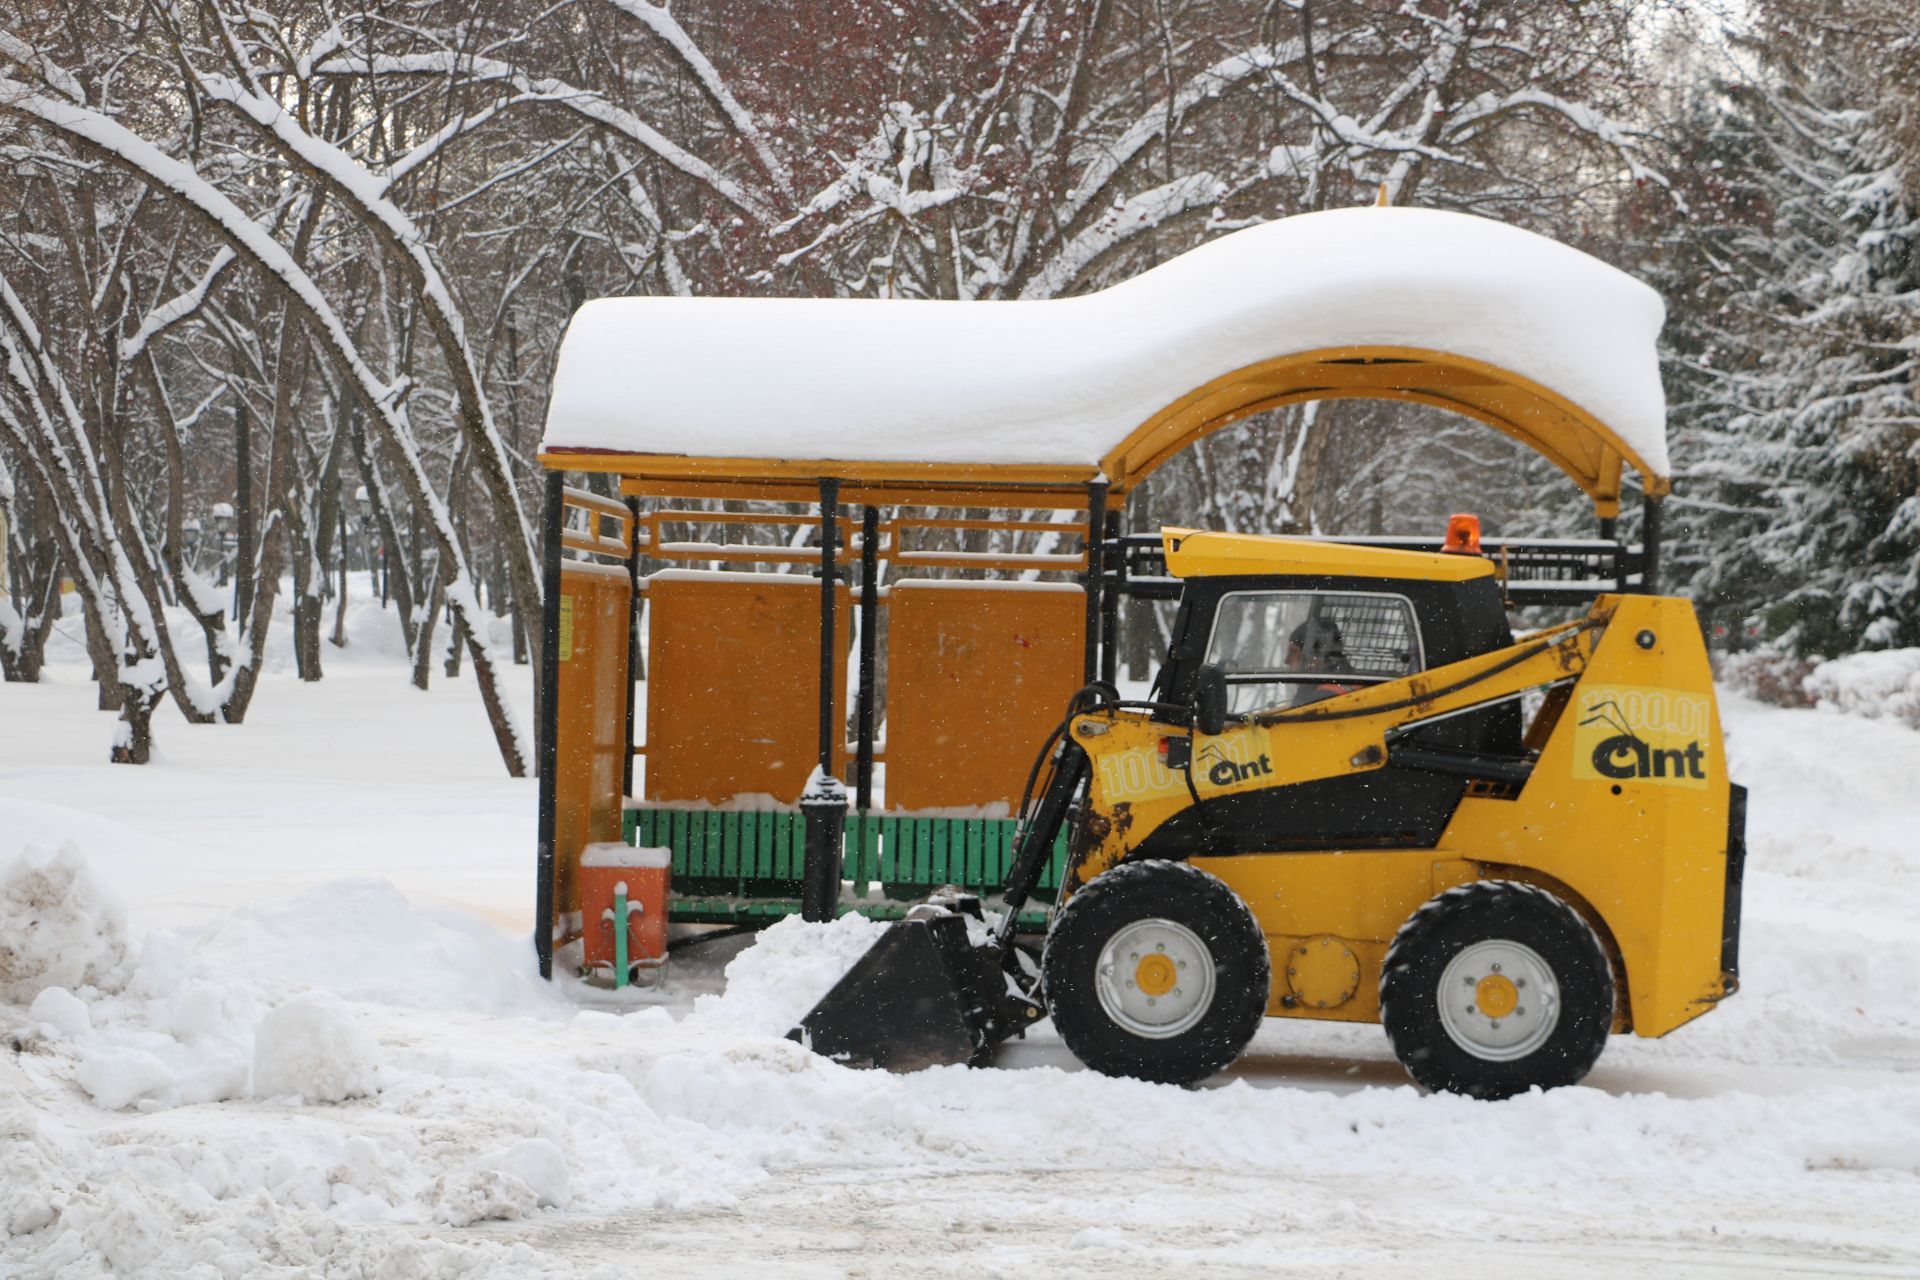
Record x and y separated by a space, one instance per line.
1211 933
1475 924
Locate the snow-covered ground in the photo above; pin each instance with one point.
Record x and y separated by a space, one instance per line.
334 902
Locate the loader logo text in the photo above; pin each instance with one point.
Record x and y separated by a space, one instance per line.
1629 733
1141 774
1224 772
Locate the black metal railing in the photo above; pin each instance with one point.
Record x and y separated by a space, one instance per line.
1532 571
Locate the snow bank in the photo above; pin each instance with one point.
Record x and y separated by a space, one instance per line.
312 1047
59 927
265 993
894 380
1782 1125
1884 683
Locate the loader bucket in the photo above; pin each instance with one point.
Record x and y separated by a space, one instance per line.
922 996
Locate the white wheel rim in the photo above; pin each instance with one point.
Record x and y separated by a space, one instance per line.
1499 1000
1155 978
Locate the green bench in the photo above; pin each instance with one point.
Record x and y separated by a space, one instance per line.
744 868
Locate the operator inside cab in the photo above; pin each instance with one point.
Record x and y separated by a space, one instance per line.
1291 647
1315 648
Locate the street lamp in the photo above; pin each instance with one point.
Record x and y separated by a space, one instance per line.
190 534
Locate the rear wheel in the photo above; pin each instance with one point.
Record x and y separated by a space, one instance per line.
1156 970
1493 988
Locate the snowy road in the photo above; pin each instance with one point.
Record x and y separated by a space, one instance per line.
355 841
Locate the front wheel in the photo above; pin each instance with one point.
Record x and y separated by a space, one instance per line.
1156 970
1494 988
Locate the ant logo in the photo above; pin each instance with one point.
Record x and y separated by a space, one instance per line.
1223 772
1625 754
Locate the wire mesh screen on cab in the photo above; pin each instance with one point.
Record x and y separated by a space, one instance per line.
1376 632
1297 633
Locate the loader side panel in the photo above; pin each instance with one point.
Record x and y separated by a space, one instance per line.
1628 805
1382 809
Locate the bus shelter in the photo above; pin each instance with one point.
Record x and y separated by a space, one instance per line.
809 506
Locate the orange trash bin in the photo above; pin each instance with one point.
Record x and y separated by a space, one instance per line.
604 869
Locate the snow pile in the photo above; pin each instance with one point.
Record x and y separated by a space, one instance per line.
772 984
508 1184
312 1047
362 940
59 926
261 996
1880 683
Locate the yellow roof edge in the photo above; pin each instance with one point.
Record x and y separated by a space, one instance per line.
1375 371
680 466
1203 554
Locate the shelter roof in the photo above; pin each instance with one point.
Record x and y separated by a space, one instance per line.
1533 337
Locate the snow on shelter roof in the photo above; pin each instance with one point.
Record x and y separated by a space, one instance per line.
1535 338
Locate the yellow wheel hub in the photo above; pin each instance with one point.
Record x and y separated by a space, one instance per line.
1496 995
1155 974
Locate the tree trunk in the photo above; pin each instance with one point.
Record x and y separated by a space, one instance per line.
339 638
106 664
461 635
397 583
309 613
37 600
133 736
243 516
494 699
308 609
423 636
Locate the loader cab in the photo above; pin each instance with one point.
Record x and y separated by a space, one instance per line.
1244 598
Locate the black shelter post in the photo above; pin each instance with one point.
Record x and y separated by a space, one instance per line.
1110 592
1610 530
1650 520
1096 528
824 802
633 636
869 651
829 535
547 714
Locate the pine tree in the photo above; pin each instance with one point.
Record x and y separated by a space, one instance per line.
1791 357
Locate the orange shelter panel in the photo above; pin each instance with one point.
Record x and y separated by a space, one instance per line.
595 604
977 675
733 695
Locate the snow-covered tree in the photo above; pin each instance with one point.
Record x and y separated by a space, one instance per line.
1792 351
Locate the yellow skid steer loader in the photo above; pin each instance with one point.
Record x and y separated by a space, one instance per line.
1352 795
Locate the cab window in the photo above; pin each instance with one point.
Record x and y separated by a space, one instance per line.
1291 648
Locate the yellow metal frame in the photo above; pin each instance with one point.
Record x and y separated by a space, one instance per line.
1589 451
590 711
1191 555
